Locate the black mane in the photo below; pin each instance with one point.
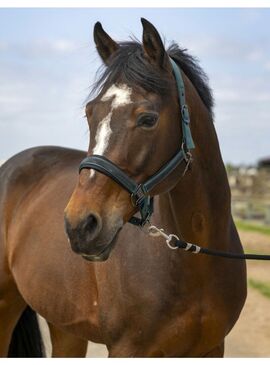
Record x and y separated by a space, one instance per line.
129 66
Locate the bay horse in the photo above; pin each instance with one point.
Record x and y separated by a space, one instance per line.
118 285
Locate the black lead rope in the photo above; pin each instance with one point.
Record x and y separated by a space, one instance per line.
191 247
207 251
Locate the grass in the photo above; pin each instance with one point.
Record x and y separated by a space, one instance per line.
262 287
250 227
252 252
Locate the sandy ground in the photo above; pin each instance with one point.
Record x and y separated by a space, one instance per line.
251 335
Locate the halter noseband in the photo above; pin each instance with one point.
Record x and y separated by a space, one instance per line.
140 192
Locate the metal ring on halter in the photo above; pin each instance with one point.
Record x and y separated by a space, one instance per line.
170 237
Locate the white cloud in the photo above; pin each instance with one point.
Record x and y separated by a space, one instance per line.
52 46
267 65
15 96
227 95
255 55
39 47
41 104
63 45
229 49
243 96
3 46
251 16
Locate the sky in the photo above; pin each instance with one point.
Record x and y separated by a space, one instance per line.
48 63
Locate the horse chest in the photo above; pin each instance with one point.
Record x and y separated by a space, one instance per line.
161 322
191 331
176 332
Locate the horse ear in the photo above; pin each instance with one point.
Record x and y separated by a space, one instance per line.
106 46
153 46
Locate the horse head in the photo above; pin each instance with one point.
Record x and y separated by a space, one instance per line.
133 122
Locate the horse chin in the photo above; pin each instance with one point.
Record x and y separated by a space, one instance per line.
94 258
104 254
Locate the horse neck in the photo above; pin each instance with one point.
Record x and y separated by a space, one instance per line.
198 208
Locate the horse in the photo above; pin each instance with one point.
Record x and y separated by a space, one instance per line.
68 250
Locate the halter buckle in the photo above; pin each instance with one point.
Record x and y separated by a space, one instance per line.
188 161
185 113
138 196
146 209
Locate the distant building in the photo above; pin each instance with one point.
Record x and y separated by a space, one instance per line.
250 188
264 163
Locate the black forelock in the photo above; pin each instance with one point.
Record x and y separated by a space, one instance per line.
130 66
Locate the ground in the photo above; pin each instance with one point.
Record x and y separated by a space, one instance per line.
251 335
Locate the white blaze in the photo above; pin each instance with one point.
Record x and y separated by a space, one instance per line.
103 135
121 95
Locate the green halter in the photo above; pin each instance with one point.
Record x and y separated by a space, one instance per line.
140 193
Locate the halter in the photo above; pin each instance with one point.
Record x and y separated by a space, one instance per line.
140 192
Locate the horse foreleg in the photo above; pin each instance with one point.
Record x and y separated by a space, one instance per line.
65 344
11 308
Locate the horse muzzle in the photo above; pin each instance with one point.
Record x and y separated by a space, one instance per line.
92 238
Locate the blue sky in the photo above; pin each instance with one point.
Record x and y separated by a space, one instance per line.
48 62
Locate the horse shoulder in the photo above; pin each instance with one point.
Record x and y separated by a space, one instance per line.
54 281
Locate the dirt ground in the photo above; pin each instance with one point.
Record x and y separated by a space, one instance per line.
251 335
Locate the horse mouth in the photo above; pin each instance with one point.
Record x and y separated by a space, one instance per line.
104 254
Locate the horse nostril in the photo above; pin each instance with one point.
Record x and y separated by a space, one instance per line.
93 225
85 231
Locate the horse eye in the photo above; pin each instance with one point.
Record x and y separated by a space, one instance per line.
147 120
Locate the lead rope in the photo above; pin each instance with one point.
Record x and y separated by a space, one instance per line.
191 247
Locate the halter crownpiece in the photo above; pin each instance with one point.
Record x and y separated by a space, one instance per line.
140 192
187 137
